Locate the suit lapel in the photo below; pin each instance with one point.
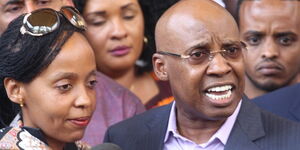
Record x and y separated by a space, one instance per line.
157 127
247 128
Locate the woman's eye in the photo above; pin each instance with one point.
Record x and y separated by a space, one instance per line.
64 87
95 20
128 17
13 9
128 14
92 83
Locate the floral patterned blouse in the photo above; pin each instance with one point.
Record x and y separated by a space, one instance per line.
25 138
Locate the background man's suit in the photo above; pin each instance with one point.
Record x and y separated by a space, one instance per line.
284 102
254 129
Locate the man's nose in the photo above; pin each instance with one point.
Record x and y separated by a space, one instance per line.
218 65
269 49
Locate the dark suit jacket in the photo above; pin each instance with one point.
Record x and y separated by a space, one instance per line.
284 102
254 129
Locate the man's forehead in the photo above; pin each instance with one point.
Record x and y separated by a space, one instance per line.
203 27
281 15
274 7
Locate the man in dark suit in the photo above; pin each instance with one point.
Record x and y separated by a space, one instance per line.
284 102
199 52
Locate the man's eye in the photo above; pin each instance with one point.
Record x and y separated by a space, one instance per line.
198 54
253 40
285 41
232 51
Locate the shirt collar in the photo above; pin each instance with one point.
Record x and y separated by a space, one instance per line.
222 134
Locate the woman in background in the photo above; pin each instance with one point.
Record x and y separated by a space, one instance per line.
47 67
116 33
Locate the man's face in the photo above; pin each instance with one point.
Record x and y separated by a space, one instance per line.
10 9
271 30
204 88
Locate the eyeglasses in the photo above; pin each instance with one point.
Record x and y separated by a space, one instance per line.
46 20
202 55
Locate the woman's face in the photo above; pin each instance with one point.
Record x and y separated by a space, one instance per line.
61 100
116 32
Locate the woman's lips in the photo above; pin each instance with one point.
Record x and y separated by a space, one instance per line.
120 51
82 122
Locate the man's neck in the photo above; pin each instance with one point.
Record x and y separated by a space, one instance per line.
200 130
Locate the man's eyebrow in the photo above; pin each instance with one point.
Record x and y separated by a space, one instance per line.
251 32
229 42
280 34
201 44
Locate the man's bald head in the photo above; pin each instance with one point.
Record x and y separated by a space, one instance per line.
205 14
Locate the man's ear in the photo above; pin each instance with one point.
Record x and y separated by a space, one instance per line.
14 90
160 67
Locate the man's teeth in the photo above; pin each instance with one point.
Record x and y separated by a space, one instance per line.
225 88
217 97
220 88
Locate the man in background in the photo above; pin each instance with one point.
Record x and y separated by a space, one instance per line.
271 30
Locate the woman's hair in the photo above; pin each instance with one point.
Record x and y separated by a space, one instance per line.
144 63
24 57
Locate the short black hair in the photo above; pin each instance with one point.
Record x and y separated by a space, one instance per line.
80 4
24 57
